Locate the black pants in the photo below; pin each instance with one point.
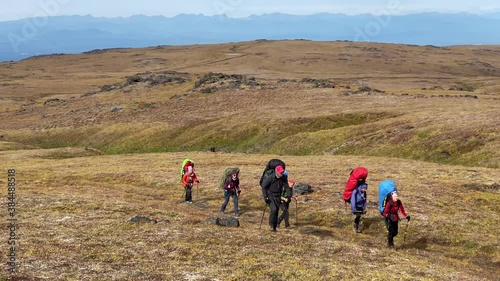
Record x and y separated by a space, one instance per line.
188 194
274 209
392 228
285 215
358 213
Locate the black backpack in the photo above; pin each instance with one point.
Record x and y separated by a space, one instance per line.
271 165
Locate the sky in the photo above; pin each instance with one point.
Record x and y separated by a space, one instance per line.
18 9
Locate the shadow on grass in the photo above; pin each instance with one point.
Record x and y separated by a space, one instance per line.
310 230
421 243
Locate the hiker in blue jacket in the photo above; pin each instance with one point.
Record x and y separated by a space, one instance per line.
358 204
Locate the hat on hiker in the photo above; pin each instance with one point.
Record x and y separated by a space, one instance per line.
291 182
279 170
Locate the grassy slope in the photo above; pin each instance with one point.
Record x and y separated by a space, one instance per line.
286 120
74 203
73 212
426 90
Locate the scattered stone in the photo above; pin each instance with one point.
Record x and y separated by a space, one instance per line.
318 83
142 219
227 222
156 79
53 101
302 188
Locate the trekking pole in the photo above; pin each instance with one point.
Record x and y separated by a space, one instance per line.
406 228
262 219
296 213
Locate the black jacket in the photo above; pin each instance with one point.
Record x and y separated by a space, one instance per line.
275 186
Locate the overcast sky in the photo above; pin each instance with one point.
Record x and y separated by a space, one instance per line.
17 9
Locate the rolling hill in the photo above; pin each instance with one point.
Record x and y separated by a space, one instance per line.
98 138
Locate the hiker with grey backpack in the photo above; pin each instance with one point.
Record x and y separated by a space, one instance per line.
231 190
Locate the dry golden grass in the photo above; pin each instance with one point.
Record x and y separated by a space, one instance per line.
73 212
78 184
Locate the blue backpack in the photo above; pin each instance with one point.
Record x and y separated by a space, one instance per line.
384 188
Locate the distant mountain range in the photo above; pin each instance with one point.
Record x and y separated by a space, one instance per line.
75 34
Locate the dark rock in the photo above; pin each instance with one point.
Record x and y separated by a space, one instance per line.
53 101
107 88
302 188
142 219
227 222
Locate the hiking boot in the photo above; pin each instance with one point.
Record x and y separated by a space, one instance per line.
190 202
236 214
390 245
355 227
288 227
358 229
271 228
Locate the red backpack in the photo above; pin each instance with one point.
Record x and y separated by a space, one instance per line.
356 177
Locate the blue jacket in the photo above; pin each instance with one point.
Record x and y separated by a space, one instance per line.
358 199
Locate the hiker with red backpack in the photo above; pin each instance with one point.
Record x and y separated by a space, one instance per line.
358 204
355 194
357 177
231 189
188 179
274 185
393 206
285 206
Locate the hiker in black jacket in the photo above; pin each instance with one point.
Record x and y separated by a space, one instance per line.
285 206
272 189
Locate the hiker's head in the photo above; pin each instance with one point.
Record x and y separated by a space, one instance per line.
363 188
234 174
394 195
190 169
291 183
279 171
